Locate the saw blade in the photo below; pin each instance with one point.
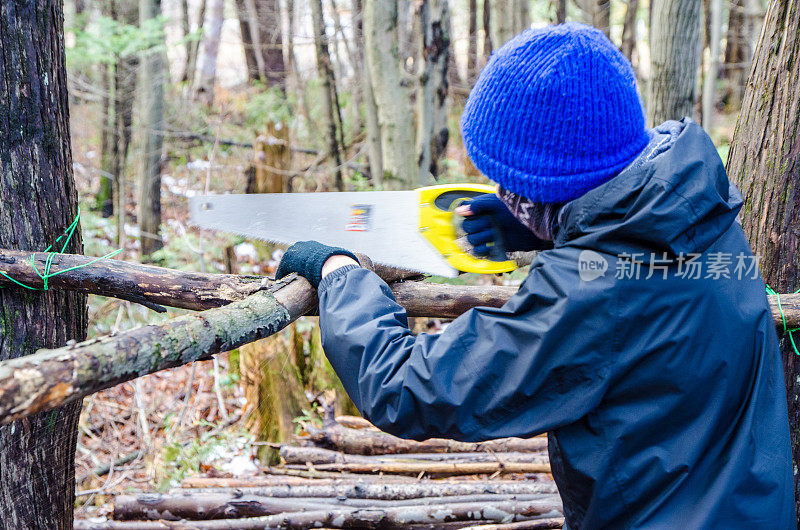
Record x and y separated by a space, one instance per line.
384 225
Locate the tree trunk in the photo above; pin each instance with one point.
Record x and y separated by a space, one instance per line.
433 21
561 11
370 107
629 29
186 28
329 100
601 15
152 86
764 161
472 45
105 193
38 200
269 41
204 89
486 52
674 59
710 80
391 94
738 51
503 20
125 95
245 30
194 48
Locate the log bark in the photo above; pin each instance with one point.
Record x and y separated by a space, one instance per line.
38 200
674 59
385 489
764 162
293 454
368 442
436 468
364 517
214 505
55 377
536 524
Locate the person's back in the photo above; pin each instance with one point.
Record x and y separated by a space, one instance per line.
641 340
691 431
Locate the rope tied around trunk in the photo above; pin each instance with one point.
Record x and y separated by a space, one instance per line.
45 275
789 332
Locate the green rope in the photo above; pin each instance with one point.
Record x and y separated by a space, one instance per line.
789 332
45 275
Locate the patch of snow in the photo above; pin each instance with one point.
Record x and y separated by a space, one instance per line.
198 165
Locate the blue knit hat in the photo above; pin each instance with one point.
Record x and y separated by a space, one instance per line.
554 114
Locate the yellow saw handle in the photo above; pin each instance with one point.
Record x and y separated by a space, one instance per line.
437 225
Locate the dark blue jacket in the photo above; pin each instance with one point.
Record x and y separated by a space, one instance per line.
663 396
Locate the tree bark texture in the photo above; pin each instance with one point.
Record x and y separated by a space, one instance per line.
712 73
629 29
207 71
433 19
764 162
351 517
374 442
268 40
38 200
373 128
152 88
330 98
212 505
674 59
390 90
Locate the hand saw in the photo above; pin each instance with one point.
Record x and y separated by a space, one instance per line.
414 229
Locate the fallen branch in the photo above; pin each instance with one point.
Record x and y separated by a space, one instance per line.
384 489
50 378
293 454
534 524
212 505
358 517
436 468
368 442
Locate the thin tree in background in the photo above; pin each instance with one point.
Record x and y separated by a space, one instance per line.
373 129
329 100
488 45
472 45
391 95
600 11
193 47
629 36
710 80
433 19
504 21
742 28
38 201
152 90
268 41
560 11
764 162
246 34
674 59
207 72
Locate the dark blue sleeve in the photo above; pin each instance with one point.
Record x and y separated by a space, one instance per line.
539 362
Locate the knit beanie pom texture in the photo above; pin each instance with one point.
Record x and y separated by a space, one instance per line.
554 114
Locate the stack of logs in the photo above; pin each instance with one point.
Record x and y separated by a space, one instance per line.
350 475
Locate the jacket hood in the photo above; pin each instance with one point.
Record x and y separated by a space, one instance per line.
675 197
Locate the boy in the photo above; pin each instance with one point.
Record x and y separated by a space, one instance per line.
641 340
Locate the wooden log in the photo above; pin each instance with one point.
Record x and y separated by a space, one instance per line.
50 378
399 517
386 488
203 506
368 442
435 468
131 281
534 524
293 454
